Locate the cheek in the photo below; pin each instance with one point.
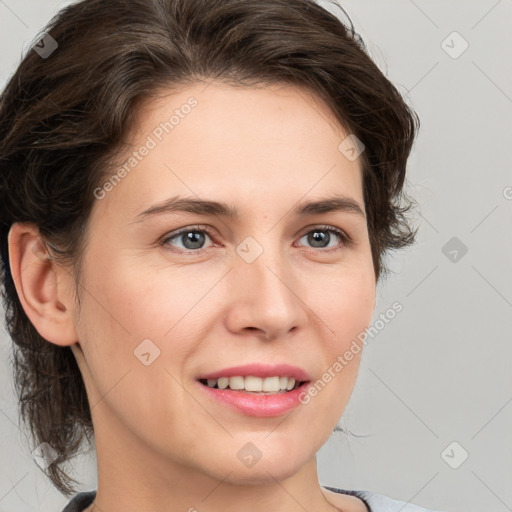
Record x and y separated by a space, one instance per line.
125 316
350 312
131 310
345 303
345 309
137 305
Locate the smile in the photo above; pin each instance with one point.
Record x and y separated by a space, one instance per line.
254 403
252 384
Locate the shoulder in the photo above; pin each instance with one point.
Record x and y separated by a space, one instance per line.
376 502
80 501
381 503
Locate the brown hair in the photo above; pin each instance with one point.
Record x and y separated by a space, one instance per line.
66 115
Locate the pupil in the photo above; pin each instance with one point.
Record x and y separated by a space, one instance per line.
318 236
196 238
193 237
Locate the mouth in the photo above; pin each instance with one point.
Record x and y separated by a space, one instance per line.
255 396
256 389
253 385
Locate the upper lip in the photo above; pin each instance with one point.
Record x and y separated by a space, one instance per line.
260 370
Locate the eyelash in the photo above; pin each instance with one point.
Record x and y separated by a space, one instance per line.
346 241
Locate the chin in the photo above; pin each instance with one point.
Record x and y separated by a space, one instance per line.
262 473
260 463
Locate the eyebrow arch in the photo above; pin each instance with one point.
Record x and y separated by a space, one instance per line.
205 207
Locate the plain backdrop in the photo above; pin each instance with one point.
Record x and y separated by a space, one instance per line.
432 404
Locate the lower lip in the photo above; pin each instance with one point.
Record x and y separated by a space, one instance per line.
257 405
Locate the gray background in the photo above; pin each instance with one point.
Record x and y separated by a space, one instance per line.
441 370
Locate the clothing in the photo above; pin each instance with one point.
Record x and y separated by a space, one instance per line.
379 503
80 501
374 502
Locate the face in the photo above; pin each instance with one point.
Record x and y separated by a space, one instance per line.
172 296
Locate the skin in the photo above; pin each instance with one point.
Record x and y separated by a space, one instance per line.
161 443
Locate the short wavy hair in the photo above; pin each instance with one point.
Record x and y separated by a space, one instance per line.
64 117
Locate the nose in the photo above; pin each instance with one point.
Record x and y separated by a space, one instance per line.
266 295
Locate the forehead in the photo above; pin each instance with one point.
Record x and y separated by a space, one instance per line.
242 145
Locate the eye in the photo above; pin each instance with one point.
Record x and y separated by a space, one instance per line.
192 238
318 238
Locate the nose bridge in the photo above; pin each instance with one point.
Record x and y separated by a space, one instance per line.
263 285
261 260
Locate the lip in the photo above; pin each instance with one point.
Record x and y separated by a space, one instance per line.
260 370
255 405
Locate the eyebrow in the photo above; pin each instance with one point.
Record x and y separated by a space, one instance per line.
214 208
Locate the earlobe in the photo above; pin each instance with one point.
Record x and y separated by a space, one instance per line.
42 286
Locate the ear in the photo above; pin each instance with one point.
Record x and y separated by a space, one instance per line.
43 286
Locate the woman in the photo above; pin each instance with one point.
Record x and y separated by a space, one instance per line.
196 200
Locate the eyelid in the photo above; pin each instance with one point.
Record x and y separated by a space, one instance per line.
346 240
186 229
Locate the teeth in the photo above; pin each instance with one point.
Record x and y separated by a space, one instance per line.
236 382
254 384
223 383
271 384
